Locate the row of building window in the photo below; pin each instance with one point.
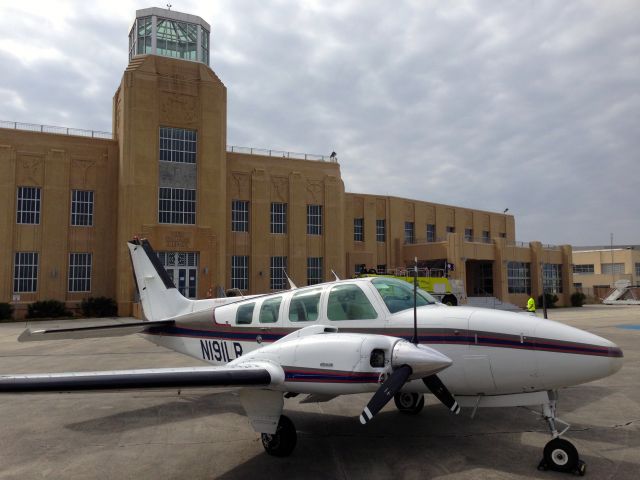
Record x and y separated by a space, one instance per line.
605 269
240 217
277 271
410 238
25 272
519 277
29 204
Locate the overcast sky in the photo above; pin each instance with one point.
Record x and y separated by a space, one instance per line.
528 105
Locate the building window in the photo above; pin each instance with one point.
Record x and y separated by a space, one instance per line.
612 268
314 219
381 230
637 269
552 278
431 232
583 269
204 45
25 272
240 272
178 145
177 39
278 269
177 205
409 232
468 234
519 277
143 36
451 229
28 210
381 269
358 229
82 208
485 237
314 270
79 272
503 235
239 216
279 218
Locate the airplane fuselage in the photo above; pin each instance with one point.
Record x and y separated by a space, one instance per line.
493 352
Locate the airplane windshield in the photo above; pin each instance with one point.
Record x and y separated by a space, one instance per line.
398 295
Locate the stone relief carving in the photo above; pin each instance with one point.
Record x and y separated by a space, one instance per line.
240 184
280 188
179 108
314 187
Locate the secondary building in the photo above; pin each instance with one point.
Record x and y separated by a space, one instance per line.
220 215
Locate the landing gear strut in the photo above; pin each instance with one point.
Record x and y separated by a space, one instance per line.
559 454
410 403
281 443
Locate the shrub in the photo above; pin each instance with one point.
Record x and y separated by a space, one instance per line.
99 307
47 309
578 299
6 310
551 299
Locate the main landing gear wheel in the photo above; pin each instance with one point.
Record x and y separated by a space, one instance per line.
410 403
281 443
560 455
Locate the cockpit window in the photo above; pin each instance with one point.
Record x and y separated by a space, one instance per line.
398 295
348 302
305 306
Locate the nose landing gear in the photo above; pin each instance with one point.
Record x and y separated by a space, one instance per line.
559 454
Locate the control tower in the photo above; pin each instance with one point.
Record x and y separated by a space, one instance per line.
157 31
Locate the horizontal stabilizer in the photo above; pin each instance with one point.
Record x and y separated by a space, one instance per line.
136 379
94 331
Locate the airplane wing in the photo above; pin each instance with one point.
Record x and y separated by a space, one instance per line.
257 374
94 331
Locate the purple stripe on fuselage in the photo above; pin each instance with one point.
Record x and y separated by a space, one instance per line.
426 336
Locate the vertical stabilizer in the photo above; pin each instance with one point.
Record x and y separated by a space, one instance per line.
159 296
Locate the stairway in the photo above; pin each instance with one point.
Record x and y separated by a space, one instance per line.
492 302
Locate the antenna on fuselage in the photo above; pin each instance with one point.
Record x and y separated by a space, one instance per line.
415 301
292 286
335 275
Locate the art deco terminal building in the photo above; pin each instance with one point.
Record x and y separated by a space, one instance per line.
219 216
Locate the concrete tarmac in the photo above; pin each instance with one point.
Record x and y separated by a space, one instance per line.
200 434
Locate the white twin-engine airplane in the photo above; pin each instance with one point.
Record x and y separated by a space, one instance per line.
280 345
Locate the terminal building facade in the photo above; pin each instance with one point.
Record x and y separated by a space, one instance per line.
220 216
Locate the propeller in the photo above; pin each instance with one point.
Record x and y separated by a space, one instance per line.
409 362
441 392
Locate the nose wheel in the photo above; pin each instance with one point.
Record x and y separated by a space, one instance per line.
559 454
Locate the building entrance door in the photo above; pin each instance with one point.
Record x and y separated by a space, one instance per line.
182 268
479 278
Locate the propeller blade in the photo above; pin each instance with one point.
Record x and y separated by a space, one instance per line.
387 390
441 392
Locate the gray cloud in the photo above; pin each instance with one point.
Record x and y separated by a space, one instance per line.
531 106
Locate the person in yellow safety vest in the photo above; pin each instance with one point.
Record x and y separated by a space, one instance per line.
531 305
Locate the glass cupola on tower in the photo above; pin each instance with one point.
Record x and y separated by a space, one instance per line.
157 31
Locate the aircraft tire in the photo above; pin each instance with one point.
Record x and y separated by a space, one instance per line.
560 455
281 443
450 300
409 403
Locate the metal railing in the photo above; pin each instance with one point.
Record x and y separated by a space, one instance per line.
282 154
78 132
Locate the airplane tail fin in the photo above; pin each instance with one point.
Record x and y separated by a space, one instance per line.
159 296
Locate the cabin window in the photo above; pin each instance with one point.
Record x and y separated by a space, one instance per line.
305 306
270 310
244 314
348 302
